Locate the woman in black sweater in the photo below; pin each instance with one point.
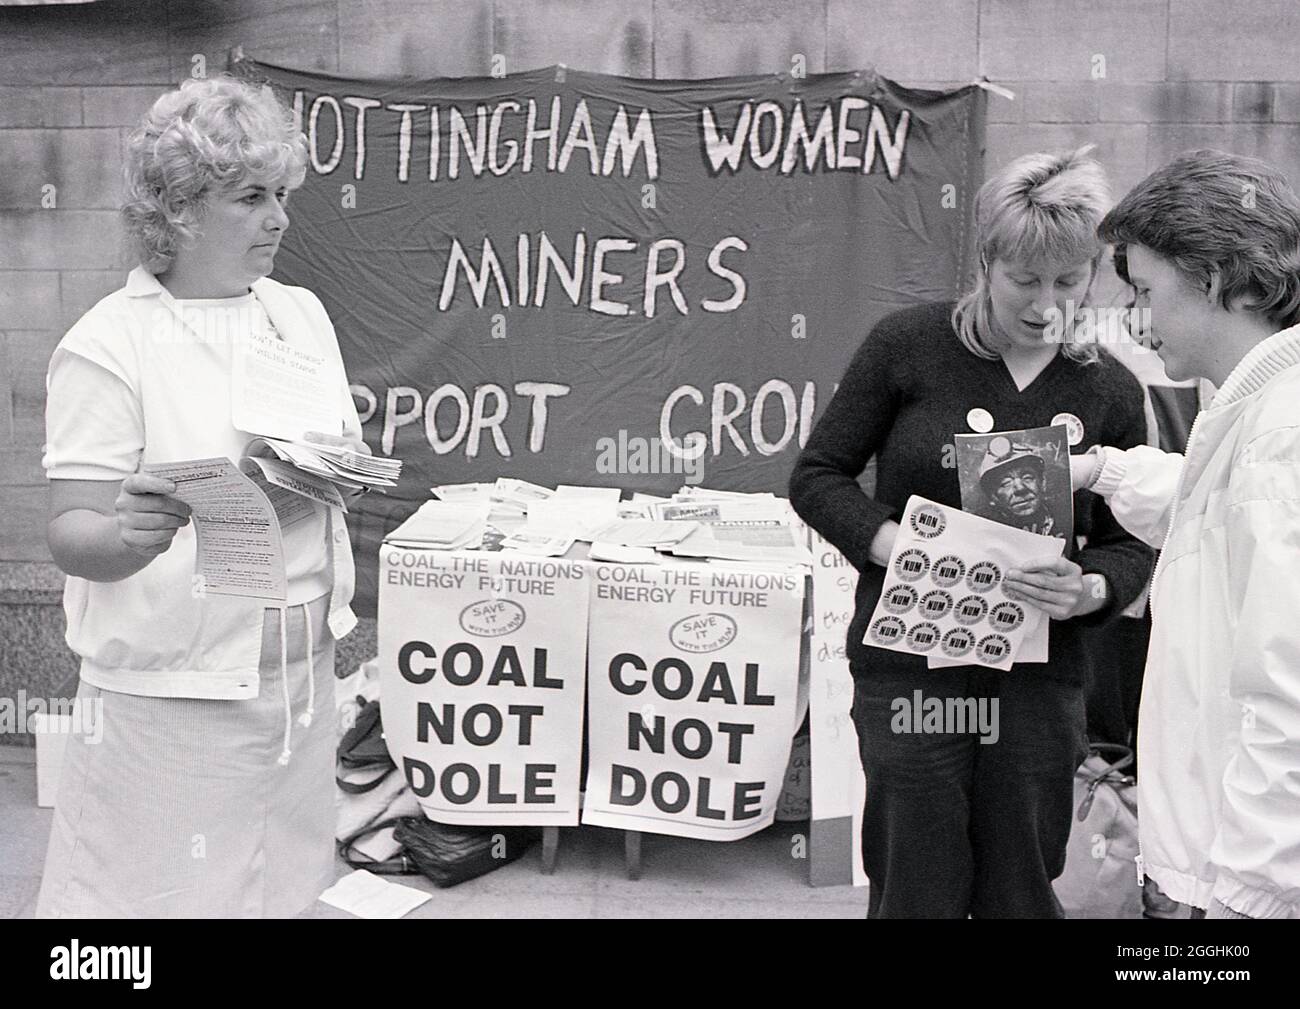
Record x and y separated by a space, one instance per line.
954 826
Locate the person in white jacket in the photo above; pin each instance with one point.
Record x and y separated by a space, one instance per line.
1210 244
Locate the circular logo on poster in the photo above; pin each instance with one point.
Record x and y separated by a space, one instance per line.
958 642
899 599
983 576
1007 616
935 605
928 521
923 636
911 565
993 648
970 610
491 618
948 571
887 630
703 632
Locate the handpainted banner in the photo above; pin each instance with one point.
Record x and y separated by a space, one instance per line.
482 669
692 697
838 786
576 278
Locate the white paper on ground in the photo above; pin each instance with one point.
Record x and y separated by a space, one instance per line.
368 896
239 548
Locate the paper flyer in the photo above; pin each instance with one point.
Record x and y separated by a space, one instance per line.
693 693
482 668
280 390
943 588
239 549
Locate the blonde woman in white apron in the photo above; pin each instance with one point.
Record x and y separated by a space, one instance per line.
206 789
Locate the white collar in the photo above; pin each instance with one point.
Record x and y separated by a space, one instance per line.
1263 362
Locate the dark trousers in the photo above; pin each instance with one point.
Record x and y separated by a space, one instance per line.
953 826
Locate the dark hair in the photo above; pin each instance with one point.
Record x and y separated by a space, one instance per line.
1212 213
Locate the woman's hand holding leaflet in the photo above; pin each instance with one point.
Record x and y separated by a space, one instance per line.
147 515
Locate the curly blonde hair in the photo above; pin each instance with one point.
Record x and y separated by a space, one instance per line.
1039 207
206 135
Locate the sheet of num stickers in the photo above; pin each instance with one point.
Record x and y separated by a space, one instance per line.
943 596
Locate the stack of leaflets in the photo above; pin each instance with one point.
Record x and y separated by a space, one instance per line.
723 526
442 525
343 467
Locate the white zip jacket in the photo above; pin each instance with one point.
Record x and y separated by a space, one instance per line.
1219 731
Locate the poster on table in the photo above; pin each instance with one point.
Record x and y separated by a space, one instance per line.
692 697
838 785
530 273
482 670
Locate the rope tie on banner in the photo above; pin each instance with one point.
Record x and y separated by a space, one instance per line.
997 89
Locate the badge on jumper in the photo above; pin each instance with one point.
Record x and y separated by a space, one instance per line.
980 420
1073 426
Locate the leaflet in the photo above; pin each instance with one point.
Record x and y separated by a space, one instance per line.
281 390
239 549
291 478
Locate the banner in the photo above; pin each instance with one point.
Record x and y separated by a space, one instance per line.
576 278
838 786
482 664
692 697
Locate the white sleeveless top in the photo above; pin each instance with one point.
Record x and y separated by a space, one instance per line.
148 634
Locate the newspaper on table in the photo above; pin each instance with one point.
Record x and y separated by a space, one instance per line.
943 592
239 550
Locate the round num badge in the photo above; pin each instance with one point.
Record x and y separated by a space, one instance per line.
958 642
970 610
923 636
928 521
1073 426
886 631
911 565
948 571
983 576
936 604
980 420
899 599
993 648
1007 616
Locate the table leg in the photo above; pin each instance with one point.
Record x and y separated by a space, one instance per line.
550 848
632 853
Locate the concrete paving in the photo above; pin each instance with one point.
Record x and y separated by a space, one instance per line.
754 878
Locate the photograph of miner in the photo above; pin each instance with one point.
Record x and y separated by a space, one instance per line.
1018 478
